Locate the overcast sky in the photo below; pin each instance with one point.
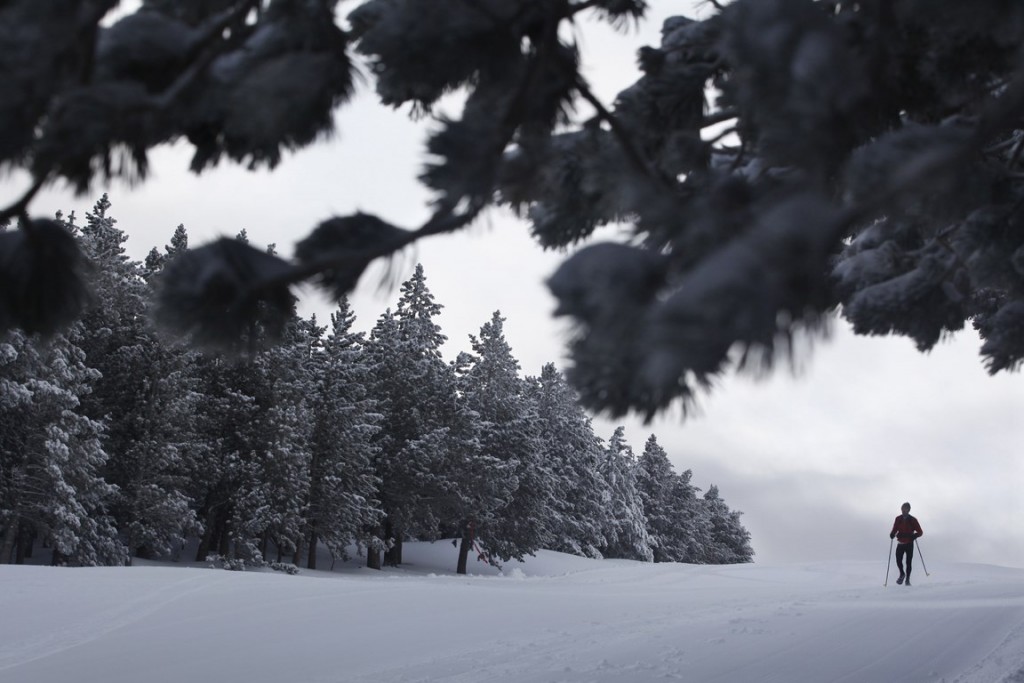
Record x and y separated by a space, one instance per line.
819 461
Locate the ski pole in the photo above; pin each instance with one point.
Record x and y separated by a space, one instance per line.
888 562
921 557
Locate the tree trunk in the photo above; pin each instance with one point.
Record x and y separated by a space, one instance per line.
29 541
373 552
143 552
297 554
265 544
206 542
204 545
311 557
7 548
23 544
224 545
313 505
393 556
464 546
372 558
389 533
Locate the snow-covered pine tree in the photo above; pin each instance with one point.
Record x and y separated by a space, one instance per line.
694 523
679 522
178 244
156 512
228 439
270 473
656 483
284 389
426 433
51 456
225 407
730 541
155 260
519 522
571 456
342 499
626 535
389 387
142 395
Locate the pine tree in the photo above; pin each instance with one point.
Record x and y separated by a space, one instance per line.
389 387
571 456
178 244
271 504
142 395
695 541
341 502
223 466
158 512
518 520
426 432
155 261
258 438
626 535
730 540
51 456
656 483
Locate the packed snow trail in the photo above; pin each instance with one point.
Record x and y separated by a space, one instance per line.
554 618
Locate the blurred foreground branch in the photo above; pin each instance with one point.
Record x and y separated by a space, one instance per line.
877 171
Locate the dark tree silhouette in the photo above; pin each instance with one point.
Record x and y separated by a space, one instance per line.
860 156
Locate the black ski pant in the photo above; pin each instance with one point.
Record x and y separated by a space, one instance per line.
901 550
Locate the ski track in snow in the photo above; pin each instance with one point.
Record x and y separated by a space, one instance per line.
553 619
94 625
645 647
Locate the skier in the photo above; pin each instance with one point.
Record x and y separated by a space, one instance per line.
905 530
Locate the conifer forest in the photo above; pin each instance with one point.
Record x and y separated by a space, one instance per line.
117 443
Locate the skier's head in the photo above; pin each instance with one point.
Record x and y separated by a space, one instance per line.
905 507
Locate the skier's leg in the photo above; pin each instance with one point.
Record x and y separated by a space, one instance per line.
900 551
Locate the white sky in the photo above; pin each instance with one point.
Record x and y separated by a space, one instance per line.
819 463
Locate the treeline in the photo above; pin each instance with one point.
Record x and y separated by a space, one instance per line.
116 443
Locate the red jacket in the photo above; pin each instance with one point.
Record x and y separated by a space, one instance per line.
906 528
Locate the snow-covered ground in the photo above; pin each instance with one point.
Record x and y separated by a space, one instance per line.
552 618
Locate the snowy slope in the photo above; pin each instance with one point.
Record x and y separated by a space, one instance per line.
554 618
